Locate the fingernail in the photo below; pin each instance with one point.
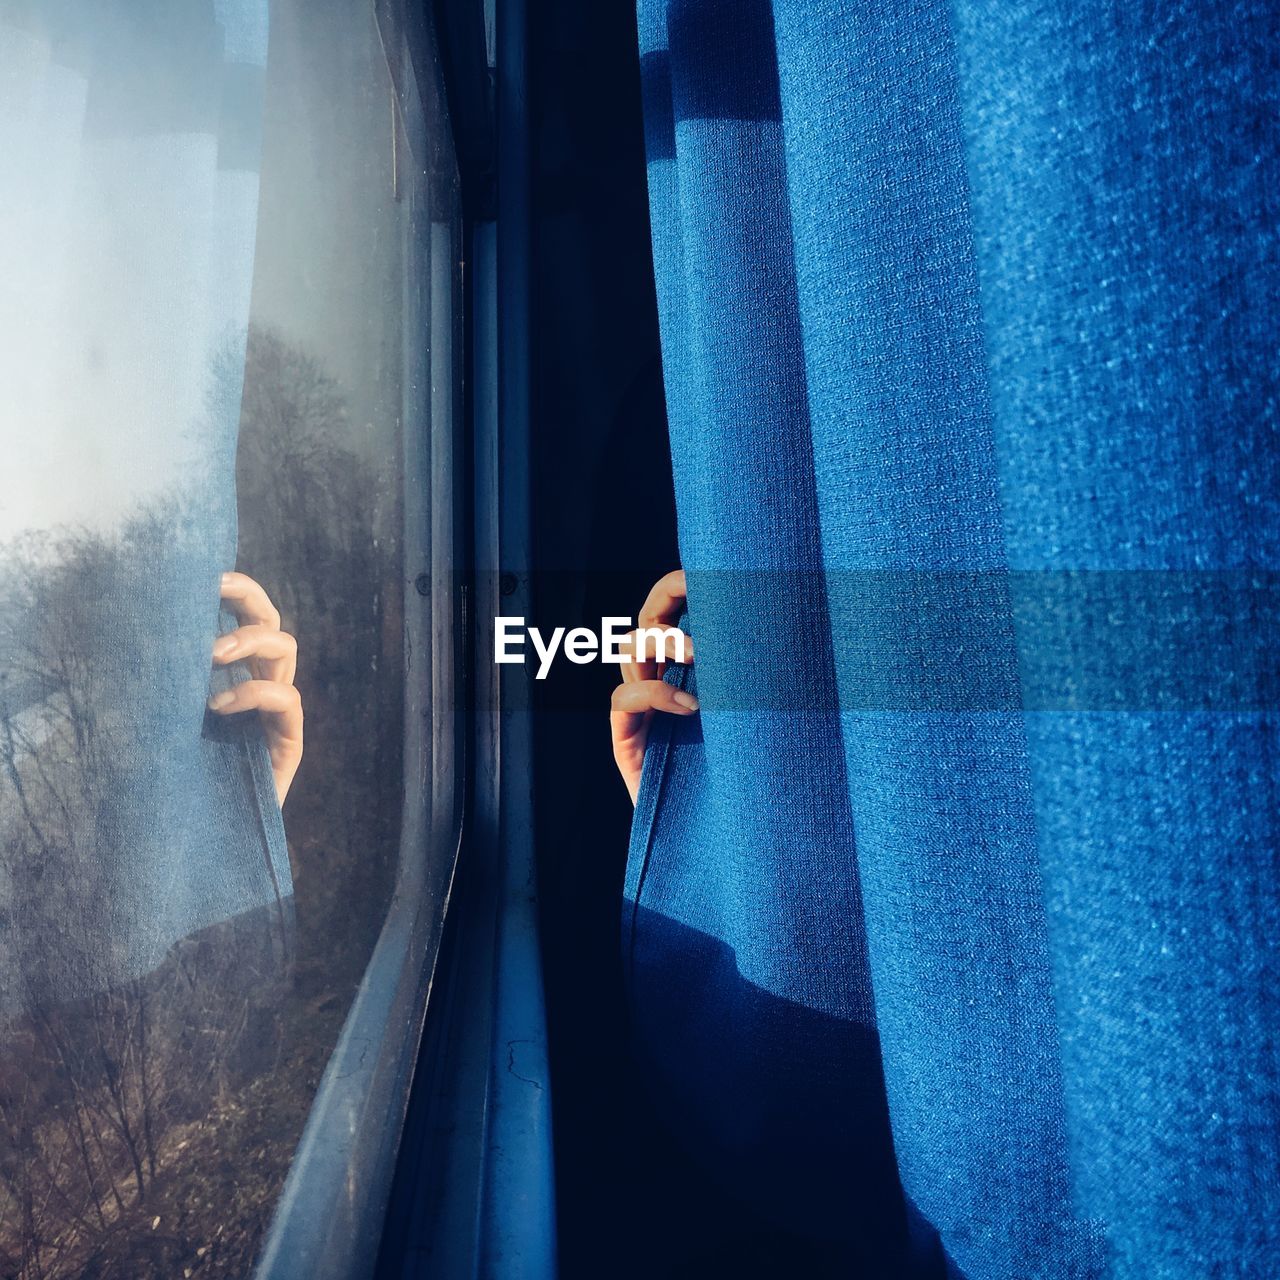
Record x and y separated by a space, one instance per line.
220 700
223 646
686 700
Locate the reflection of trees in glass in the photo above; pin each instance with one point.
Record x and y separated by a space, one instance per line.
312 502
88 672
106 1079
146 1128
110 1104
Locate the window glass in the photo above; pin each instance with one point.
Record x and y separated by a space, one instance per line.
230 254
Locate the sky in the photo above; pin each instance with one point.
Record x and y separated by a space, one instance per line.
128 260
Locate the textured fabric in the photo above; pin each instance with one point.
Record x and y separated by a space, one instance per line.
774 929
1126 194
129 818
907 487
968 337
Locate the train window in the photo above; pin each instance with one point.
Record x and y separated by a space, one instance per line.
231 244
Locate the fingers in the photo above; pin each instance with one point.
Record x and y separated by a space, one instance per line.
651 695
661 644
630 713
274 653
280 706
267 696
248 601
664 603
272 656
661 609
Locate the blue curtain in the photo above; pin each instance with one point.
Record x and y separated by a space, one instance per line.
129 818
953 921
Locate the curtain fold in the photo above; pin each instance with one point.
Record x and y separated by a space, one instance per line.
911 530
724 860
968 332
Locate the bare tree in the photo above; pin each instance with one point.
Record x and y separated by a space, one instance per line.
146 1119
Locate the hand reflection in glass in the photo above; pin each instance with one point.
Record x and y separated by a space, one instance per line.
272 658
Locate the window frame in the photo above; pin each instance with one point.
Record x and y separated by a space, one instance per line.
489 1088
329 1215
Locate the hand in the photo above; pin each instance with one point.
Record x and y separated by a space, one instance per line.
643 691
272 658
